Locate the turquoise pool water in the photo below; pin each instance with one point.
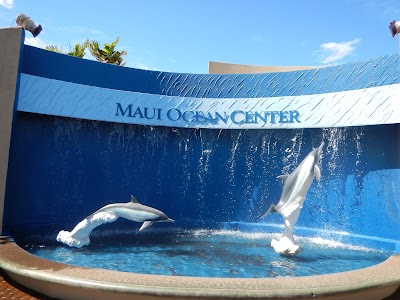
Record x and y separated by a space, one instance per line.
206 253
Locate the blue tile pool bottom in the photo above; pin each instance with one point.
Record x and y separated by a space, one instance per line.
208 253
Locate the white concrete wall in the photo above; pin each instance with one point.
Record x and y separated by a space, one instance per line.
227 68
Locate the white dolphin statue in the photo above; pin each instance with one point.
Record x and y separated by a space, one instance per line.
132 210
295 188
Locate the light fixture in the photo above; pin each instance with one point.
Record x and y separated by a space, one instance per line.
28 24
394 28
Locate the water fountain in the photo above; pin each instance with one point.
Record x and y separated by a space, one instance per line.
205 149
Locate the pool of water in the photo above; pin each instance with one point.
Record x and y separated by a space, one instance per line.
206 253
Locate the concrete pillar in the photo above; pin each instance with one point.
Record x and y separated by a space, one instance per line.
11 41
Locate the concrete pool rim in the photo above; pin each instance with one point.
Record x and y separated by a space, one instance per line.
68 282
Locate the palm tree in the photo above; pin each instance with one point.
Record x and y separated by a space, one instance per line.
79 49
108 54
54 49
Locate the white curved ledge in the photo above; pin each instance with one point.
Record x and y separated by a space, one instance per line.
347 108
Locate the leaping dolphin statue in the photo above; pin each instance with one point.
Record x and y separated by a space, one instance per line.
135 211
132 210
295 188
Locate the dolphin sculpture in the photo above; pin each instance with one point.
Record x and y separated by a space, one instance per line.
132 210
135 211
295 188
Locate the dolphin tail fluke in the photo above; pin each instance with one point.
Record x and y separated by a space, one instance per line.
145 225
271 209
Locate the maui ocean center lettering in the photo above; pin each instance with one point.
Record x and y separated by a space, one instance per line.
237 117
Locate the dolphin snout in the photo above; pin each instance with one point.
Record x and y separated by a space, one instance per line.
169 220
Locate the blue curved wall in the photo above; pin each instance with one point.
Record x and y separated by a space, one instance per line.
62 168
375 72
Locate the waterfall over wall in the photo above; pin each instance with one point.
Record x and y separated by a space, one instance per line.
202 176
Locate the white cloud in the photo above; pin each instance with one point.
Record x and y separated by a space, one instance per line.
333 52
7 3
36 42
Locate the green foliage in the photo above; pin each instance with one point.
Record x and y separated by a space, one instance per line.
54 49
108 54
79 49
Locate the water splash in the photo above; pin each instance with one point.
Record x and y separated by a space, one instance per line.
335 137
66 137
80 235
236 138
292 151
359 134
185 149
254 236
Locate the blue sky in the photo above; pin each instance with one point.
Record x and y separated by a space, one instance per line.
183 35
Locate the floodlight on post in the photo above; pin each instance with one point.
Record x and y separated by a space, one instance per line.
28 24
394 28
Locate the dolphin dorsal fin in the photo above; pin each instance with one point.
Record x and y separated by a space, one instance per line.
133 199
282 177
